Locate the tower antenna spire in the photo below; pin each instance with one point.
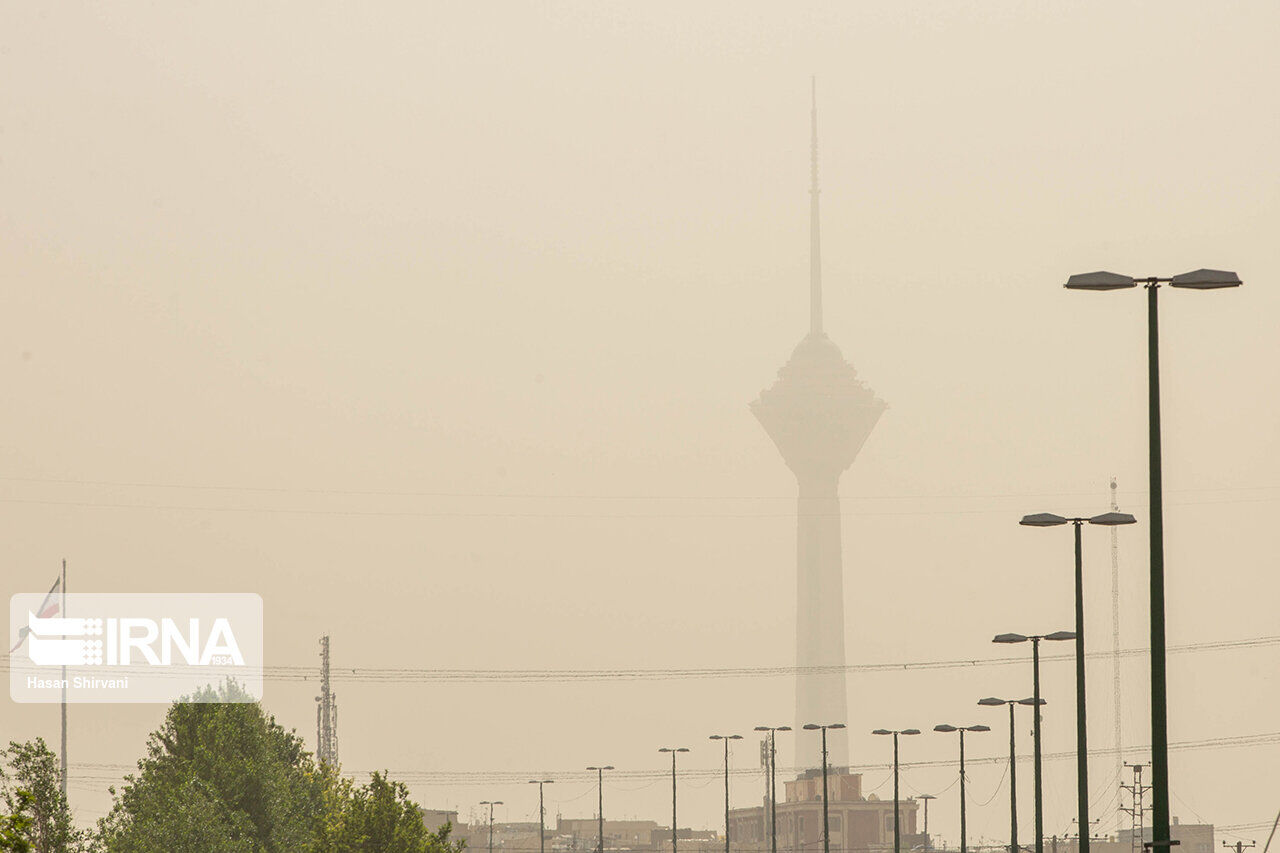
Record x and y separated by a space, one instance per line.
815 237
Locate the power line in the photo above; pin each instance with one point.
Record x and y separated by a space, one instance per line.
412 675
227 487
512 777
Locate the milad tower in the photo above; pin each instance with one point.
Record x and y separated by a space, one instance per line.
818 413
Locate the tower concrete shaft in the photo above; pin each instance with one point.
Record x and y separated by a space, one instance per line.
818 414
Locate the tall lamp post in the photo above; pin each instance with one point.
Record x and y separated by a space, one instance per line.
600 810
726 739
947 727
1196 280
674 825
897 826
1108 519
773 782
928 844
542 814
491 804
826 823
992 701
1035 680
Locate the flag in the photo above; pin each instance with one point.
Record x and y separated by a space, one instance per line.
49 607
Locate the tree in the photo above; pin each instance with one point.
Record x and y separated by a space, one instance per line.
32 789
377 817
219 775
18 828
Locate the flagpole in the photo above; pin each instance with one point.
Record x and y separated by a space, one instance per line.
64 687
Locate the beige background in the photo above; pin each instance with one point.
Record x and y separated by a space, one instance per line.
435 325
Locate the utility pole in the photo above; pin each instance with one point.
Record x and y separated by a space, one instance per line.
1240 846
63 756
1136 792
326 712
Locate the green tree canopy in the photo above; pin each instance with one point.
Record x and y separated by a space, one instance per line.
36 809
220 776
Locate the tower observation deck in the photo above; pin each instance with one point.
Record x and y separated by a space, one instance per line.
818 414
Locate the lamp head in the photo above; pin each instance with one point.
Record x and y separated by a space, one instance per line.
1009 638
909 732
1031 700
1100 281
945 727
1042 519
992 701
882 732
1113 519
1206 280
1061 635
977 728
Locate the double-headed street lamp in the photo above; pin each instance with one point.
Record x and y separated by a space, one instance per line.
773 782
947 727
897 826
542 814
726 739
1035 680
992 701
600 790
491 804
826 824
1196 280
674 830
1107 519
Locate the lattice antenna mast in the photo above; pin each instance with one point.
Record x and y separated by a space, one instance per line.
1117 734
1136 793
326 712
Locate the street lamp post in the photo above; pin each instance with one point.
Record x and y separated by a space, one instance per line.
947 727
491 804
1035 679
826 824
897 826
674 825
773 782
542 814
1196 280
600 792
1108 519
992 701
928 845
726 739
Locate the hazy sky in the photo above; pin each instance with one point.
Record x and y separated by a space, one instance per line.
436 325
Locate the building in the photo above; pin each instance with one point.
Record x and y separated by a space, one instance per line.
582 835
433 819
1191 838
818 414
857 823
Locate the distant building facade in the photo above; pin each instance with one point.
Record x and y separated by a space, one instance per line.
1191 838
858 824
